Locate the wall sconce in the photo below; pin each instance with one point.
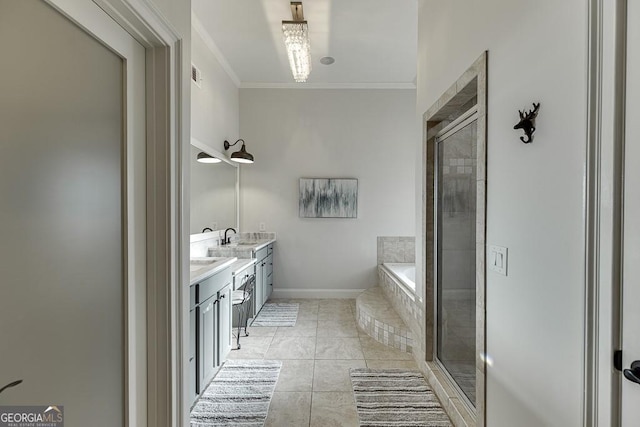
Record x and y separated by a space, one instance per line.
240 156
206 158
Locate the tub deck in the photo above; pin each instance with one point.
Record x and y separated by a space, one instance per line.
380 321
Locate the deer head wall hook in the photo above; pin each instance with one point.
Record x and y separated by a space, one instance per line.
527 123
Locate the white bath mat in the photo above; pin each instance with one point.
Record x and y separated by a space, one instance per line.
277 314
239 395
390 397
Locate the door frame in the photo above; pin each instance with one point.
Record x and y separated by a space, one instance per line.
604 190
167 127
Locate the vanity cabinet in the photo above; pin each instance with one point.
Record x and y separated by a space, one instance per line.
269 273
262 253
207 338
210 328
240 278
264 275
225 312
193 394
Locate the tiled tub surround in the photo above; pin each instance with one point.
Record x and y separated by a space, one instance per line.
396 249
395 293
379 320
404 273
406 304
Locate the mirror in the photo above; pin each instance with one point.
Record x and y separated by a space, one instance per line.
214 191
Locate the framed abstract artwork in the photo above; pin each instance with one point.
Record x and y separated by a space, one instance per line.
328 198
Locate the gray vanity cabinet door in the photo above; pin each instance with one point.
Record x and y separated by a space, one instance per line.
224 309
269 274
259 293
193 384
264 279
207 339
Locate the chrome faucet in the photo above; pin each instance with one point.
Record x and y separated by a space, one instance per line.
226 240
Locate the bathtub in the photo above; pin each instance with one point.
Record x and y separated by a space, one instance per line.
405 273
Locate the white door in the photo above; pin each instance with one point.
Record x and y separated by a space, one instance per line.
631 253
72 212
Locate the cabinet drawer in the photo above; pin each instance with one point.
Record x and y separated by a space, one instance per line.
242 276
270 249
262 253
210 286
251 269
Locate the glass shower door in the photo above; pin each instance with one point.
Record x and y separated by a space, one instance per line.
456 253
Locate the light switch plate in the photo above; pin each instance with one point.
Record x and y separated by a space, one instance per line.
497 259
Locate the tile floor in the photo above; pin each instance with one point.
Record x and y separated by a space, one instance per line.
314 388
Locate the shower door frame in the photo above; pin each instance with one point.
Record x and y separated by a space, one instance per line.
465 119
469 89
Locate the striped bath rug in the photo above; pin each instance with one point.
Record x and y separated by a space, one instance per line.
277 314
239 395
395 397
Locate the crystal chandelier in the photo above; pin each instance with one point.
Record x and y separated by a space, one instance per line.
296 40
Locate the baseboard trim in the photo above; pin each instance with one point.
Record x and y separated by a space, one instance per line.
282 293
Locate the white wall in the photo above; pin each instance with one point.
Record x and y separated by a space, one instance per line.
537 52
215 105
365 134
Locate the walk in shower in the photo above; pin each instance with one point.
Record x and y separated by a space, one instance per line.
456 196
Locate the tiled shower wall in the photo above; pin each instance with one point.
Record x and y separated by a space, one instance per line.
396 249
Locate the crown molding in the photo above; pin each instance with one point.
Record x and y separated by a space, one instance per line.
405 86
213 47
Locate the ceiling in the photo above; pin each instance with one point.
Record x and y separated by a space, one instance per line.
374 42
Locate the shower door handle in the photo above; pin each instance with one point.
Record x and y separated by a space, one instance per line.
633 374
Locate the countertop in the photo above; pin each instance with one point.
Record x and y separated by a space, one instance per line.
210 266
240 264
241 249
253 245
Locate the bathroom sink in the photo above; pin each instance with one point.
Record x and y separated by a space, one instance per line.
242 243
196 264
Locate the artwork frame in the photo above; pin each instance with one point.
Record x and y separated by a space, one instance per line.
328 198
